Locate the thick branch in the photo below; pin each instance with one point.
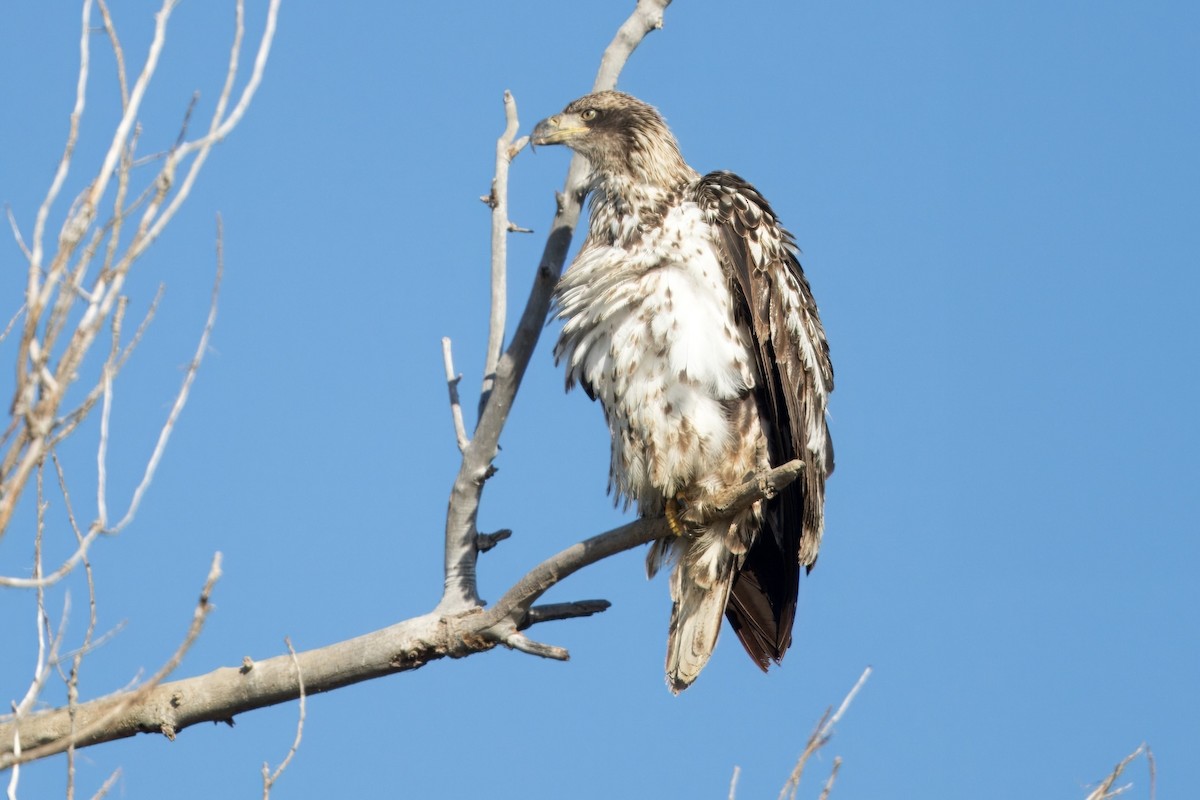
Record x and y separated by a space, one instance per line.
226 692
648 16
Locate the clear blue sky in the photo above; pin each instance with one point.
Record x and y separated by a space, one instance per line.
999 214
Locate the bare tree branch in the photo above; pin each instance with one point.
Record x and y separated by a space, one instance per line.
551 612
506 151
1105 790
80 725
16 231
819 738
64 164
222 694
42 383
67 424
118 51
77 658
837 765
106 787
164 434
7 329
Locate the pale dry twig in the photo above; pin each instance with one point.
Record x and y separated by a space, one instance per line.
819 738
269 778
1105 790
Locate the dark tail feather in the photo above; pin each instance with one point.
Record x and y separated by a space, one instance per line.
762 603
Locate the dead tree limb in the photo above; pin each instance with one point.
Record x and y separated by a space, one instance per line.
224 693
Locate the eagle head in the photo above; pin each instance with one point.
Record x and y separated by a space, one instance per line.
620 135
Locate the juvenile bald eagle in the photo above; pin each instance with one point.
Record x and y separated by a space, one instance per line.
687 315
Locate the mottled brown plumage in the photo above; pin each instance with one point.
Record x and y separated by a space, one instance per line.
686 313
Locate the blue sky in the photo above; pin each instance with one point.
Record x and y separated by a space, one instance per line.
999 214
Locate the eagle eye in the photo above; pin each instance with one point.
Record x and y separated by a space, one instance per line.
589 114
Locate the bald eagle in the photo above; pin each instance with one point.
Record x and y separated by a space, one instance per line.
687 315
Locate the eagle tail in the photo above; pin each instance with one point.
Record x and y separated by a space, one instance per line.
700 586
762 603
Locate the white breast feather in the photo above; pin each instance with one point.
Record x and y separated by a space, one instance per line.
650 328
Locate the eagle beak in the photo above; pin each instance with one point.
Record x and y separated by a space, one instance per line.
559 129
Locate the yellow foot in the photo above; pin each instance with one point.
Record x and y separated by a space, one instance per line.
675 506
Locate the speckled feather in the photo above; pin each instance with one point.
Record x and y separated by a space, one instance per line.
687 315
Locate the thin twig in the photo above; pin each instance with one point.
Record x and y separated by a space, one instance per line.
506 150
187 115
67 424
64 164
118 52
8 328
47 653
256 75
120 210
452 381
106 381
102 451
132 107
78 655
29 360
181 398
16 230
116 707
221 125
40 580
269 778
819 738
837 765
64 569
1105 790
550 612
106 787
519 641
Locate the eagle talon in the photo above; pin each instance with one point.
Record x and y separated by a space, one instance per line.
675 507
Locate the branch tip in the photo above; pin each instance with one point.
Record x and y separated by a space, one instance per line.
486 541
519 641
552 612
452 379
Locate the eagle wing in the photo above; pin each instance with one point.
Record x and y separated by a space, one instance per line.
795 378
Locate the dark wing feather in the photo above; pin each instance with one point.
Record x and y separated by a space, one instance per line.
795 378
